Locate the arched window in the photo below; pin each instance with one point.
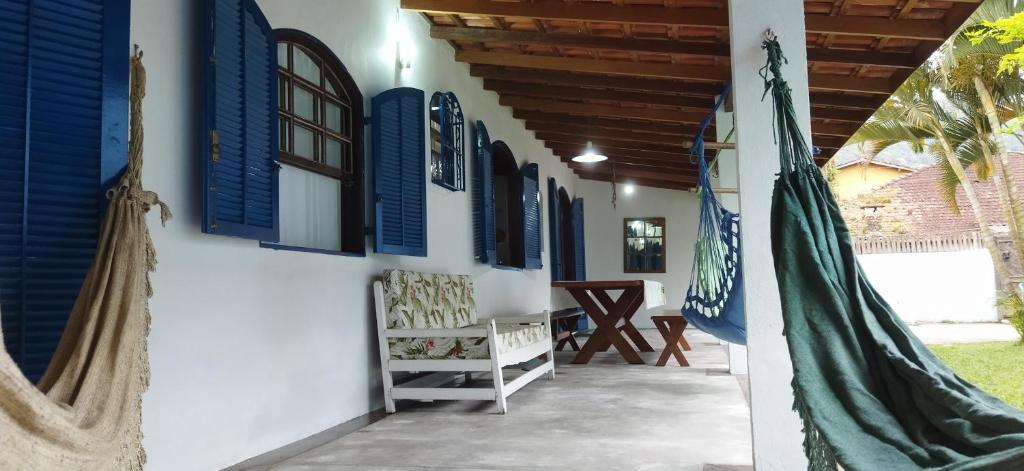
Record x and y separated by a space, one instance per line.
508 207
320 116
447 149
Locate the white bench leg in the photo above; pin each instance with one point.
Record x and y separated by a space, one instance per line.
499 381
551 345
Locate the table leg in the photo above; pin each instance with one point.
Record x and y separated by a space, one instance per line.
606 325
628 327
682 339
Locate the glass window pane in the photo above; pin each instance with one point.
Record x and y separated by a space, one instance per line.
282 93
305 142
283 138
305 104
337 154
653 229
305 66
335 119
329 85
282 55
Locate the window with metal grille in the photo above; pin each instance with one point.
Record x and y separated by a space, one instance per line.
447 146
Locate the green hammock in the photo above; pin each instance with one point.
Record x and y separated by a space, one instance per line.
871 395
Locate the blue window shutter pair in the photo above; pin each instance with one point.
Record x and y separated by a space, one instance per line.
532 234
580 249
483 196
399 172
63 141
240 162
554 230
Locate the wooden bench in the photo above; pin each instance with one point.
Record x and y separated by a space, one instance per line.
564 327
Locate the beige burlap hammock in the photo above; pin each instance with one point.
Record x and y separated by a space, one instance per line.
86 411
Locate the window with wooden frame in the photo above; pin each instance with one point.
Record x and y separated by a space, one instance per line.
644 246
447 146
320 125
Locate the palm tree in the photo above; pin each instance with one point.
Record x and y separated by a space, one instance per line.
972 73
952 131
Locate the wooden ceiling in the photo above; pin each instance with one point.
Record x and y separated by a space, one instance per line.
637 76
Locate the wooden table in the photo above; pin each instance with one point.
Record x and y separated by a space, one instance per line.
612 317
671 327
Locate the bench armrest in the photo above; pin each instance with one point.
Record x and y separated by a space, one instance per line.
538 318
420 333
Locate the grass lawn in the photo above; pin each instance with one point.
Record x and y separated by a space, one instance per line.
996 368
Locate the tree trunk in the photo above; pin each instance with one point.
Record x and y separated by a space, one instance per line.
1002 272
1005 183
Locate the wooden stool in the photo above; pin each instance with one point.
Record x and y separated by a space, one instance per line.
671 328
563 325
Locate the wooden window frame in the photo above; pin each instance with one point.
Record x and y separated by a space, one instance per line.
288 79
353 184
447 142
625 243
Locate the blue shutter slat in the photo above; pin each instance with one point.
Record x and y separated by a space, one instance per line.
554 230
63 122
531 216
580 248
240 74
399 171
483 196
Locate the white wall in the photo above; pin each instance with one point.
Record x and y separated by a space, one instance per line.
935 287
252 348
603 225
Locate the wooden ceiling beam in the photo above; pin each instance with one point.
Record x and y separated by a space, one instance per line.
624 171
607 123
680 167
658 46
589 109
836 114
637 136
817 81
847 101
576 93
575 147
636 181
519 74
844 130
601 66
698 17
603 142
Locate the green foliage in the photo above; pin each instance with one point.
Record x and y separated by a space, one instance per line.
1013 304
1004 31
993 367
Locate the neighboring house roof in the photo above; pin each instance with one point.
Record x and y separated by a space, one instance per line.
917 203
900 156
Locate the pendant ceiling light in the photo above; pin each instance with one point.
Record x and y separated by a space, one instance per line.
589 155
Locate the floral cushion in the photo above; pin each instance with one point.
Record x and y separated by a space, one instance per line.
417 300
510 337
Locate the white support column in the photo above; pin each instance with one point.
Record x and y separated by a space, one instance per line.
776 428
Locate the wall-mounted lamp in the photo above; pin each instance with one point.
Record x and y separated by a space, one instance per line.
589 155
405 48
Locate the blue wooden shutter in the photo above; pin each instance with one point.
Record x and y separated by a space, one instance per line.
240 169
531 216
63 140
554 230
577 228
483 196
400 172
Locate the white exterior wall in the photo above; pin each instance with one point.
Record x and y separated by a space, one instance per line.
935 287
604 237
253 348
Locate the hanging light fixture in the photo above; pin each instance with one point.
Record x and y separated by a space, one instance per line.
589 155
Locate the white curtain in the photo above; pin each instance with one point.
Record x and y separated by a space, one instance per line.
310 209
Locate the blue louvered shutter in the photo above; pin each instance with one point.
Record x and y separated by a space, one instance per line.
400 172
554 230
63 140
240 168
531 216
580 255
483 196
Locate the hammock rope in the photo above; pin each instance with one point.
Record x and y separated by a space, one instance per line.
714 299
86 411
871 396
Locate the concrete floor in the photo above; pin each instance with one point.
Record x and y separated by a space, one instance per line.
607 415
942 334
